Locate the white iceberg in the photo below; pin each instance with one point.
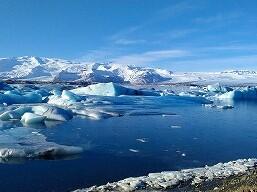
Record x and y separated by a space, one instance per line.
217 88
241 94
31 118
111 89
48 112
52 113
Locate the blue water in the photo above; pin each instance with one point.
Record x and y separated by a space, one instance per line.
206 136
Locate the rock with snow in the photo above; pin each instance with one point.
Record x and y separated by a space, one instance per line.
170 179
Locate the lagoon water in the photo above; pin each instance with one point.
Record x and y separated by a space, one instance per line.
121 147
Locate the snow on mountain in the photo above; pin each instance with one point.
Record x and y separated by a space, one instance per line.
40 68
51 69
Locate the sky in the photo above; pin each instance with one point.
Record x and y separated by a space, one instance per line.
184 35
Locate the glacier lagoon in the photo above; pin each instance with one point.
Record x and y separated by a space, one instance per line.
149 134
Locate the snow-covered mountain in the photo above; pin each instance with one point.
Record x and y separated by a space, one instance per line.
51 69
48 69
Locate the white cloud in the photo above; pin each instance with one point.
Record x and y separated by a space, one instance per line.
218 64
219 18
129 41
150 57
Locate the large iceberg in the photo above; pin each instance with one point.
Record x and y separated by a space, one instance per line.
241 94
111 89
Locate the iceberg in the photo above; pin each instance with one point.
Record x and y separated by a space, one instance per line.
14 97
243 94
52 113
111 89
217 88
4 86
31 118
23 142
37 114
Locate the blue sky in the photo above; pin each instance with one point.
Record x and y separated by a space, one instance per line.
185 35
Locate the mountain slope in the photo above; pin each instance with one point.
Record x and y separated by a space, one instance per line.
40 68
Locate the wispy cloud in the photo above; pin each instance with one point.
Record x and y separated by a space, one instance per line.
218 64
100 55
177 9
219 18
125 36
129 41
150 57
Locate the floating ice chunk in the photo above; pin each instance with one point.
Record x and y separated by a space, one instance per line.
111 89
175 126
14 114
142 140
243 94
31 118
29 143
65 98
225 107
95 114
68 95
53 113
219 106
217 88
134 150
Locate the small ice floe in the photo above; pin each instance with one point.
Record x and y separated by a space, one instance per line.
134 150
219 106
225 107
175 126
95 114
169 114
142 140
170 179
209 105
183 154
